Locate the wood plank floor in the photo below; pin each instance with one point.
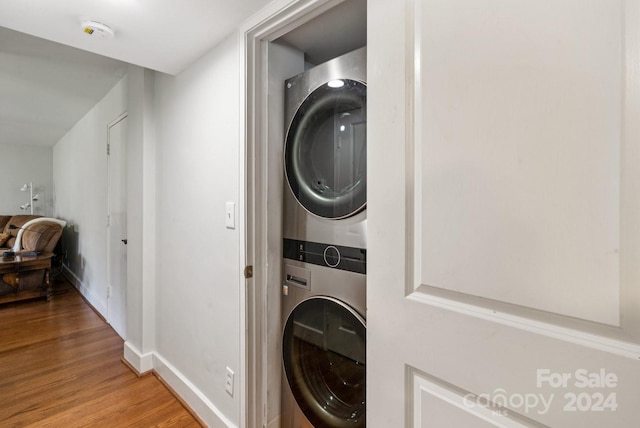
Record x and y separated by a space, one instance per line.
60 366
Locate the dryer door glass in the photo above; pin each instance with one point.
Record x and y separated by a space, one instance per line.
324 356
326 150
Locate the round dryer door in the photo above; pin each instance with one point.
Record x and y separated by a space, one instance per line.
326 150
324 355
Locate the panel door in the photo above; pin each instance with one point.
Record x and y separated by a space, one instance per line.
503 209
117 228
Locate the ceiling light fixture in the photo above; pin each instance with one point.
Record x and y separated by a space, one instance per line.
95 28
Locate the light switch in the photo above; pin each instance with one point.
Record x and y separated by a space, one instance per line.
230 215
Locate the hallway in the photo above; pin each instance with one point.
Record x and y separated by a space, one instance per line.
60 365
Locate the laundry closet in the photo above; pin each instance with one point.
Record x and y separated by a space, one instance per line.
318 154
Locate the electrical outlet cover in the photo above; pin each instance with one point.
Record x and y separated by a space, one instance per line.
229 382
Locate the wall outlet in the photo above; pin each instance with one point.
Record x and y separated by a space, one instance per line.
229 382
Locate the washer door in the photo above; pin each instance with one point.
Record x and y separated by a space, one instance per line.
326 150
324 355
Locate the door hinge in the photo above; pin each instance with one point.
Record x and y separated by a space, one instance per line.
108 149
248 272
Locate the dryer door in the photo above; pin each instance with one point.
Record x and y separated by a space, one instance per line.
326 150
324 356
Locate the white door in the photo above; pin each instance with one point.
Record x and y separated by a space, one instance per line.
504 213
117 227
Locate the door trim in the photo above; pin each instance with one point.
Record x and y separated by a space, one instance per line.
272 22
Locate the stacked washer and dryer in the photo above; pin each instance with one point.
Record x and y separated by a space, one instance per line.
324 246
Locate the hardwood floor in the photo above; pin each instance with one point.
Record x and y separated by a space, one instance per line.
60 366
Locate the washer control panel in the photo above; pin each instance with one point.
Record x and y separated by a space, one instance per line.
334 256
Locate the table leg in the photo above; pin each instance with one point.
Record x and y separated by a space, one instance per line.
48 283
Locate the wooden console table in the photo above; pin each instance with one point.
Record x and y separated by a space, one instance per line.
20 264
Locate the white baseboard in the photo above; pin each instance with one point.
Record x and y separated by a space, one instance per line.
151 361
275 423
190 394
140 362
93 300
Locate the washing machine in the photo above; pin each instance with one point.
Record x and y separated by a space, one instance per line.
324 246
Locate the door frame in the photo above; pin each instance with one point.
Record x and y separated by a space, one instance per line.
271 23
111 124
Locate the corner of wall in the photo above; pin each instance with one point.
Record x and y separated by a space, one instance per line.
141 363
195 399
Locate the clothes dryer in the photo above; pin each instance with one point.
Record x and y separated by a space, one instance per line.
325 153
324 246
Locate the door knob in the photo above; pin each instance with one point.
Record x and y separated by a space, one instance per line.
125 241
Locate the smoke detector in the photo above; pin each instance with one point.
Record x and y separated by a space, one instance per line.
97 29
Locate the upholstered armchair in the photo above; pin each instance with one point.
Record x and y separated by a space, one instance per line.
27 237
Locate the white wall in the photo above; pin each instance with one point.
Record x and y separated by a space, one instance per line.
141 208
284 62
24 164
198 264
184 264
80 183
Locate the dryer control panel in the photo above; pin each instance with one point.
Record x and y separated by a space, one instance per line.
334 256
